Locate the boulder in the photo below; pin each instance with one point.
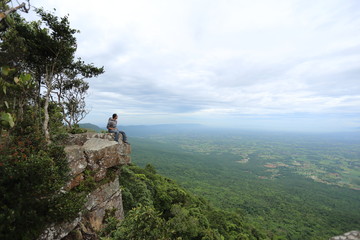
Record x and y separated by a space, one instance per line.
95 151
102 154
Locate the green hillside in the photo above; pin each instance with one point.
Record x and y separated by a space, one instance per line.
157 208
90 127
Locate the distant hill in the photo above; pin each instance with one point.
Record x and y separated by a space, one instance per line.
147 130
91 126
160 129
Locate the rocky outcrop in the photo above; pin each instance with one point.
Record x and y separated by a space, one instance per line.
353 235
93 156
96 152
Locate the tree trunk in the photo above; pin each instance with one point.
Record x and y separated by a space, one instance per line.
48 84
46 116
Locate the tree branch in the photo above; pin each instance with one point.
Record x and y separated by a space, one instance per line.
11 10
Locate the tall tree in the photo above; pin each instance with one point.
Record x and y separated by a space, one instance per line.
32 172
70 95
49 54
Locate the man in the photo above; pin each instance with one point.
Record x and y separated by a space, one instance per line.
111 126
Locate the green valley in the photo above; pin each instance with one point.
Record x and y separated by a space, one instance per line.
293 186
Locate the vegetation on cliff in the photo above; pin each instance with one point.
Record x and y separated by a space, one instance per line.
157 208
37 56
32 174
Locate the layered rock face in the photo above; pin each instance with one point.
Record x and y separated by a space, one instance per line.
93 155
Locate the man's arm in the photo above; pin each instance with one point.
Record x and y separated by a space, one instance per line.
110 125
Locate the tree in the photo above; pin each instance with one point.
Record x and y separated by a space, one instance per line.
6 118
142 222
57 49
157 208
5 11
32 57
47 51
71 90
17 93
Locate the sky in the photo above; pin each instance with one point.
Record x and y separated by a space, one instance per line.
290 65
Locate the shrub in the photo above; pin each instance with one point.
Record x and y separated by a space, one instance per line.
32 175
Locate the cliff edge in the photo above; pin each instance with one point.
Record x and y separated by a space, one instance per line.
95 158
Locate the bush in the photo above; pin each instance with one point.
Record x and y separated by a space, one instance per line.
76 129
142 222
31 178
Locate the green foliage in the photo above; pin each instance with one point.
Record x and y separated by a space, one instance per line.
32 174
61 73
17 90
136 190
7 120
157 208
75 129
281 200
110 226
150 168
142 222
88 184
35 56
46 50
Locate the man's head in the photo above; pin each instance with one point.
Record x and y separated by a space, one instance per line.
114 116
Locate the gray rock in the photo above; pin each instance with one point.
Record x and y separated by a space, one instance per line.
80 139
102 154
98 152
106 198
76 159
353 235
59 231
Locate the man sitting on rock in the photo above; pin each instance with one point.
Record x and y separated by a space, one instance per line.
111 126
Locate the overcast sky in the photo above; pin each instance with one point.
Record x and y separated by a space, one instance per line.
268 64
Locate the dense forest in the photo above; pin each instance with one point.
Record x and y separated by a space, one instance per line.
251 173
157 208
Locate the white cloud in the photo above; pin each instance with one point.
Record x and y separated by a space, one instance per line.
188 58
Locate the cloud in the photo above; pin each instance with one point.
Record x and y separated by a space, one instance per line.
199 60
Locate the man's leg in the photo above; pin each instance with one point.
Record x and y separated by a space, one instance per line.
116 138
124 136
